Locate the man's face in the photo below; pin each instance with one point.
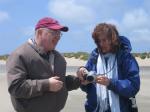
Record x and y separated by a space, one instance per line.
105 44
50 39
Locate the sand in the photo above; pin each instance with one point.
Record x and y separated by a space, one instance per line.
76 98
143 62
2 62
78 62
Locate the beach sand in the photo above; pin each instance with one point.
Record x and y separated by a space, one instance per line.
5 104
76 98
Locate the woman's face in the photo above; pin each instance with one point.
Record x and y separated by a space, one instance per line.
104 43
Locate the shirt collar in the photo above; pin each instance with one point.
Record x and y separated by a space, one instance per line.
38 49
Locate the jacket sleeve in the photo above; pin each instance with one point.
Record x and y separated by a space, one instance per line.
89 66
72 82
19 85
130 85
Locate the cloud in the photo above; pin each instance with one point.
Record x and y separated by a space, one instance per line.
136 24
114 22
141 35
71 11
136 19
131 21
3 16
146 4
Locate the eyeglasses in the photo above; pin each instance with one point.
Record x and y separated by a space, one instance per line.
55 33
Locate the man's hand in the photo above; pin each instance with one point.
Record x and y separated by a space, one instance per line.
55 84
85 82
103 80
81 72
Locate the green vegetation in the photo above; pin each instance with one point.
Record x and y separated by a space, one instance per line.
85 55
77 55
142 55
4 57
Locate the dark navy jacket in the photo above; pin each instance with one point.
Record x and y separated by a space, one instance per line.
128 83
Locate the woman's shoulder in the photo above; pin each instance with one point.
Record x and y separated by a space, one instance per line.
126 57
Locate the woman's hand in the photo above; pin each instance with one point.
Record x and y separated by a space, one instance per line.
103 80
81 74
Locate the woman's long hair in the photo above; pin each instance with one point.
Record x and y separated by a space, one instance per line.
110 32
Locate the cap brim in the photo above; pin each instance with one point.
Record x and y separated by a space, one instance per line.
58 27
64 29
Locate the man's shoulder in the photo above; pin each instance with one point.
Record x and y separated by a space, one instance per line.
23 50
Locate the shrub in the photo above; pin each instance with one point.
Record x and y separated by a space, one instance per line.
142 56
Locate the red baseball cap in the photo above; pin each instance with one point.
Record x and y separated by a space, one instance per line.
50 23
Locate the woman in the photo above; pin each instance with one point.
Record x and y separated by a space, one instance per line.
117 72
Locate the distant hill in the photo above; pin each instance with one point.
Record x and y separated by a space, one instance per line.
77 55
4 57
85 55
142 55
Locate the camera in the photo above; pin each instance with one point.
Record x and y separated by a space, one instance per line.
90 76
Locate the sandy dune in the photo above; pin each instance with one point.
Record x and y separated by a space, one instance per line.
78 62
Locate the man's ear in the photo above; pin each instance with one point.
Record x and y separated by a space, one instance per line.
39 31
39 34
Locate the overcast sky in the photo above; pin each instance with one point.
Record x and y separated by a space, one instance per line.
18 19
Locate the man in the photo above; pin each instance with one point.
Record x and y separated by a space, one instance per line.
116 73
36 71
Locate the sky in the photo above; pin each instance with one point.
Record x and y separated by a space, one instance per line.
19 17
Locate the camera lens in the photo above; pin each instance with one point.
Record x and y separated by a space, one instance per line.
90 78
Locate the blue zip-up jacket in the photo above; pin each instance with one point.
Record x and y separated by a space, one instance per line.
128 83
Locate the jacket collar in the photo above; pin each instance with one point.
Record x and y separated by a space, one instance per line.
38 49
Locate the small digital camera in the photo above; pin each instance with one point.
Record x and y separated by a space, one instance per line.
90 76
